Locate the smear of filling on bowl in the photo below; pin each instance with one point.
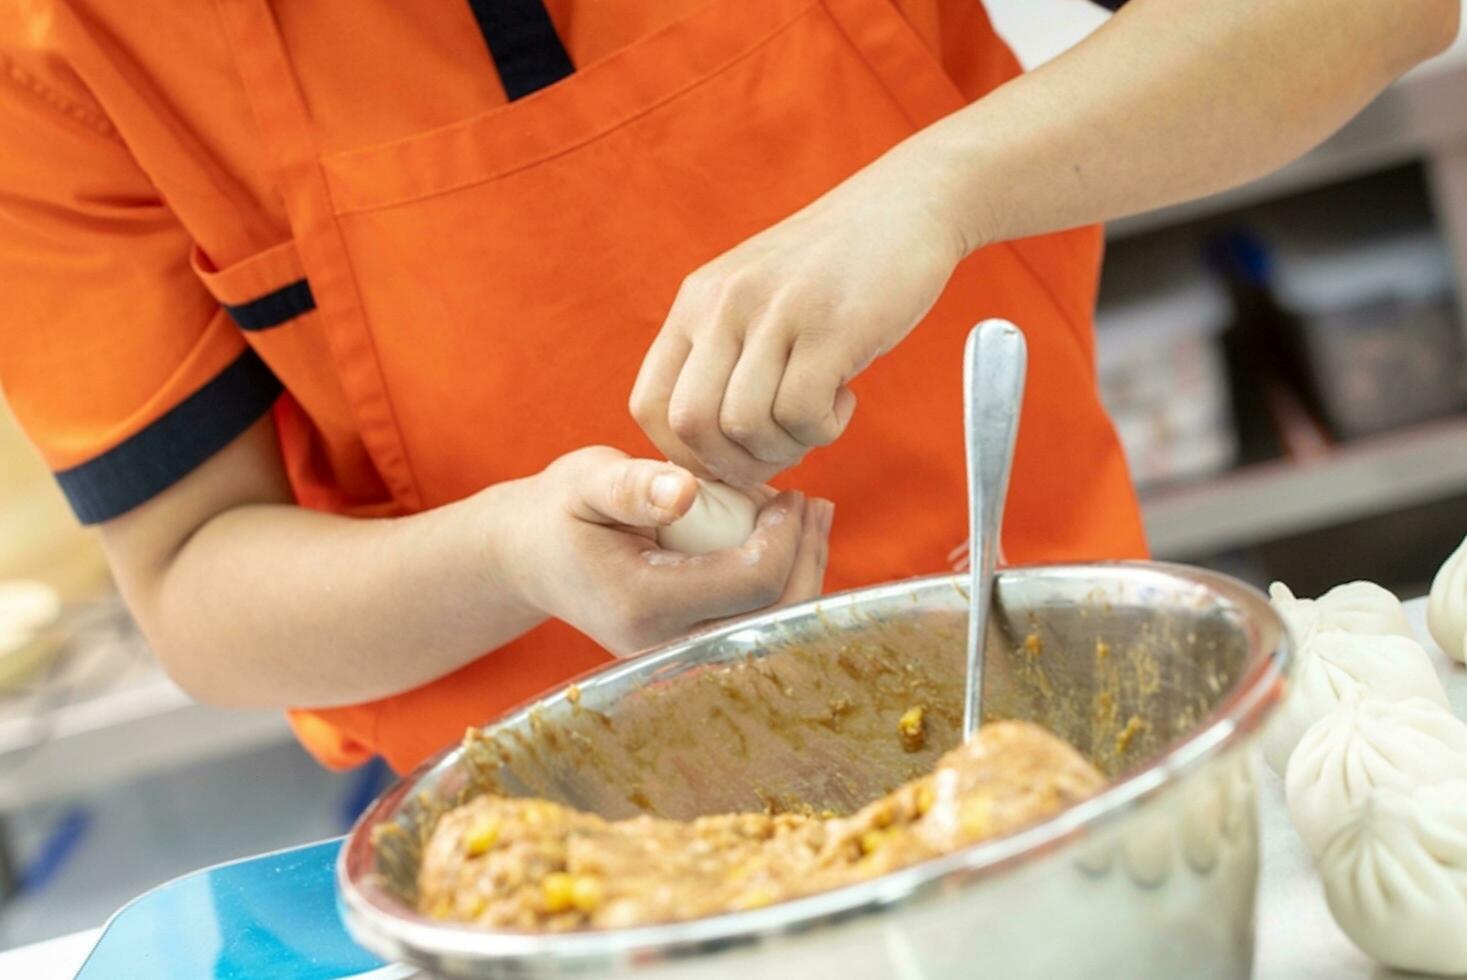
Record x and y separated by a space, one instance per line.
530 864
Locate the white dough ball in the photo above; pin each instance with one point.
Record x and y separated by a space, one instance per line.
1334 662
1395 877
1365 743
721 517
1446 610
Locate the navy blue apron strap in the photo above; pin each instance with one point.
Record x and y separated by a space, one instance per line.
523 43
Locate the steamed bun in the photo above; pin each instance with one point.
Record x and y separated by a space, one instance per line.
1363 607
1334 662
1395 877
1355 607
1363 744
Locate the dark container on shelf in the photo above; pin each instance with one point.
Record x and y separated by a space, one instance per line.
1377 335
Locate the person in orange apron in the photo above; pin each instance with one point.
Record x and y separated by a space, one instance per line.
362 329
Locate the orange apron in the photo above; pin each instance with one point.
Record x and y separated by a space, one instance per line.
486 292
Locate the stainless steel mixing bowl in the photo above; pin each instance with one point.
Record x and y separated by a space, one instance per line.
1160 674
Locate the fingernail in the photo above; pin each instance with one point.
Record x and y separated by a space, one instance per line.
665 489
827 515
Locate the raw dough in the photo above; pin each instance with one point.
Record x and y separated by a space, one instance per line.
721 517
1446 610
1365 743
1333 662
1395 877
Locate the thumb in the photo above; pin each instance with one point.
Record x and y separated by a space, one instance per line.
614 489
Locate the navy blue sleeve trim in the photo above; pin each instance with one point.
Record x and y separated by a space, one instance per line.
175 445
273 309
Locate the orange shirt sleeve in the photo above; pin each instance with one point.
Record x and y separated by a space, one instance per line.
121 367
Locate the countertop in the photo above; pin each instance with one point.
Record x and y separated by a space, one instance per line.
1297 938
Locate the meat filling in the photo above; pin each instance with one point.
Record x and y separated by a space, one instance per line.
534 865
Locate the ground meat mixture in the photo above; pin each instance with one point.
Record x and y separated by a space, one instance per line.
530 864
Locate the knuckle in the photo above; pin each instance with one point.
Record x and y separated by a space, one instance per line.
571 462
642 408
699 288
741 425
799 416
707 295
686 423
735 283
592 456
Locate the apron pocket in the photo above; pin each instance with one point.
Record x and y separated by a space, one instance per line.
575 111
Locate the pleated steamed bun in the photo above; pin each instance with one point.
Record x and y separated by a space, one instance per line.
1335 662
1395 877
1355 607
1362 744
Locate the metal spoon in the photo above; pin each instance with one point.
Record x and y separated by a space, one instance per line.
993 389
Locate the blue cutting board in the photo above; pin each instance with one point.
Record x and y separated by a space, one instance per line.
273 916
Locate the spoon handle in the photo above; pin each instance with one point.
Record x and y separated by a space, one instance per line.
993 389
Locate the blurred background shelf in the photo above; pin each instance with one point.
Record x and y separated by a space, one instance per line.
1266 500
108 715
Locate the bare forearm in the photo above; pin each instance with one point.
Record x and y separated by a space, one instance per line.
1169 101
251 601
270 605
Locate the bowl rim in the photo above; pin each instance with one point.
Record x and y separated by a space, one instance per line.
382 924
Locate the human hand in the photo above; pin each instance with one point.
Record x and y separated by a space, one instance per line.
751 367
578 543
